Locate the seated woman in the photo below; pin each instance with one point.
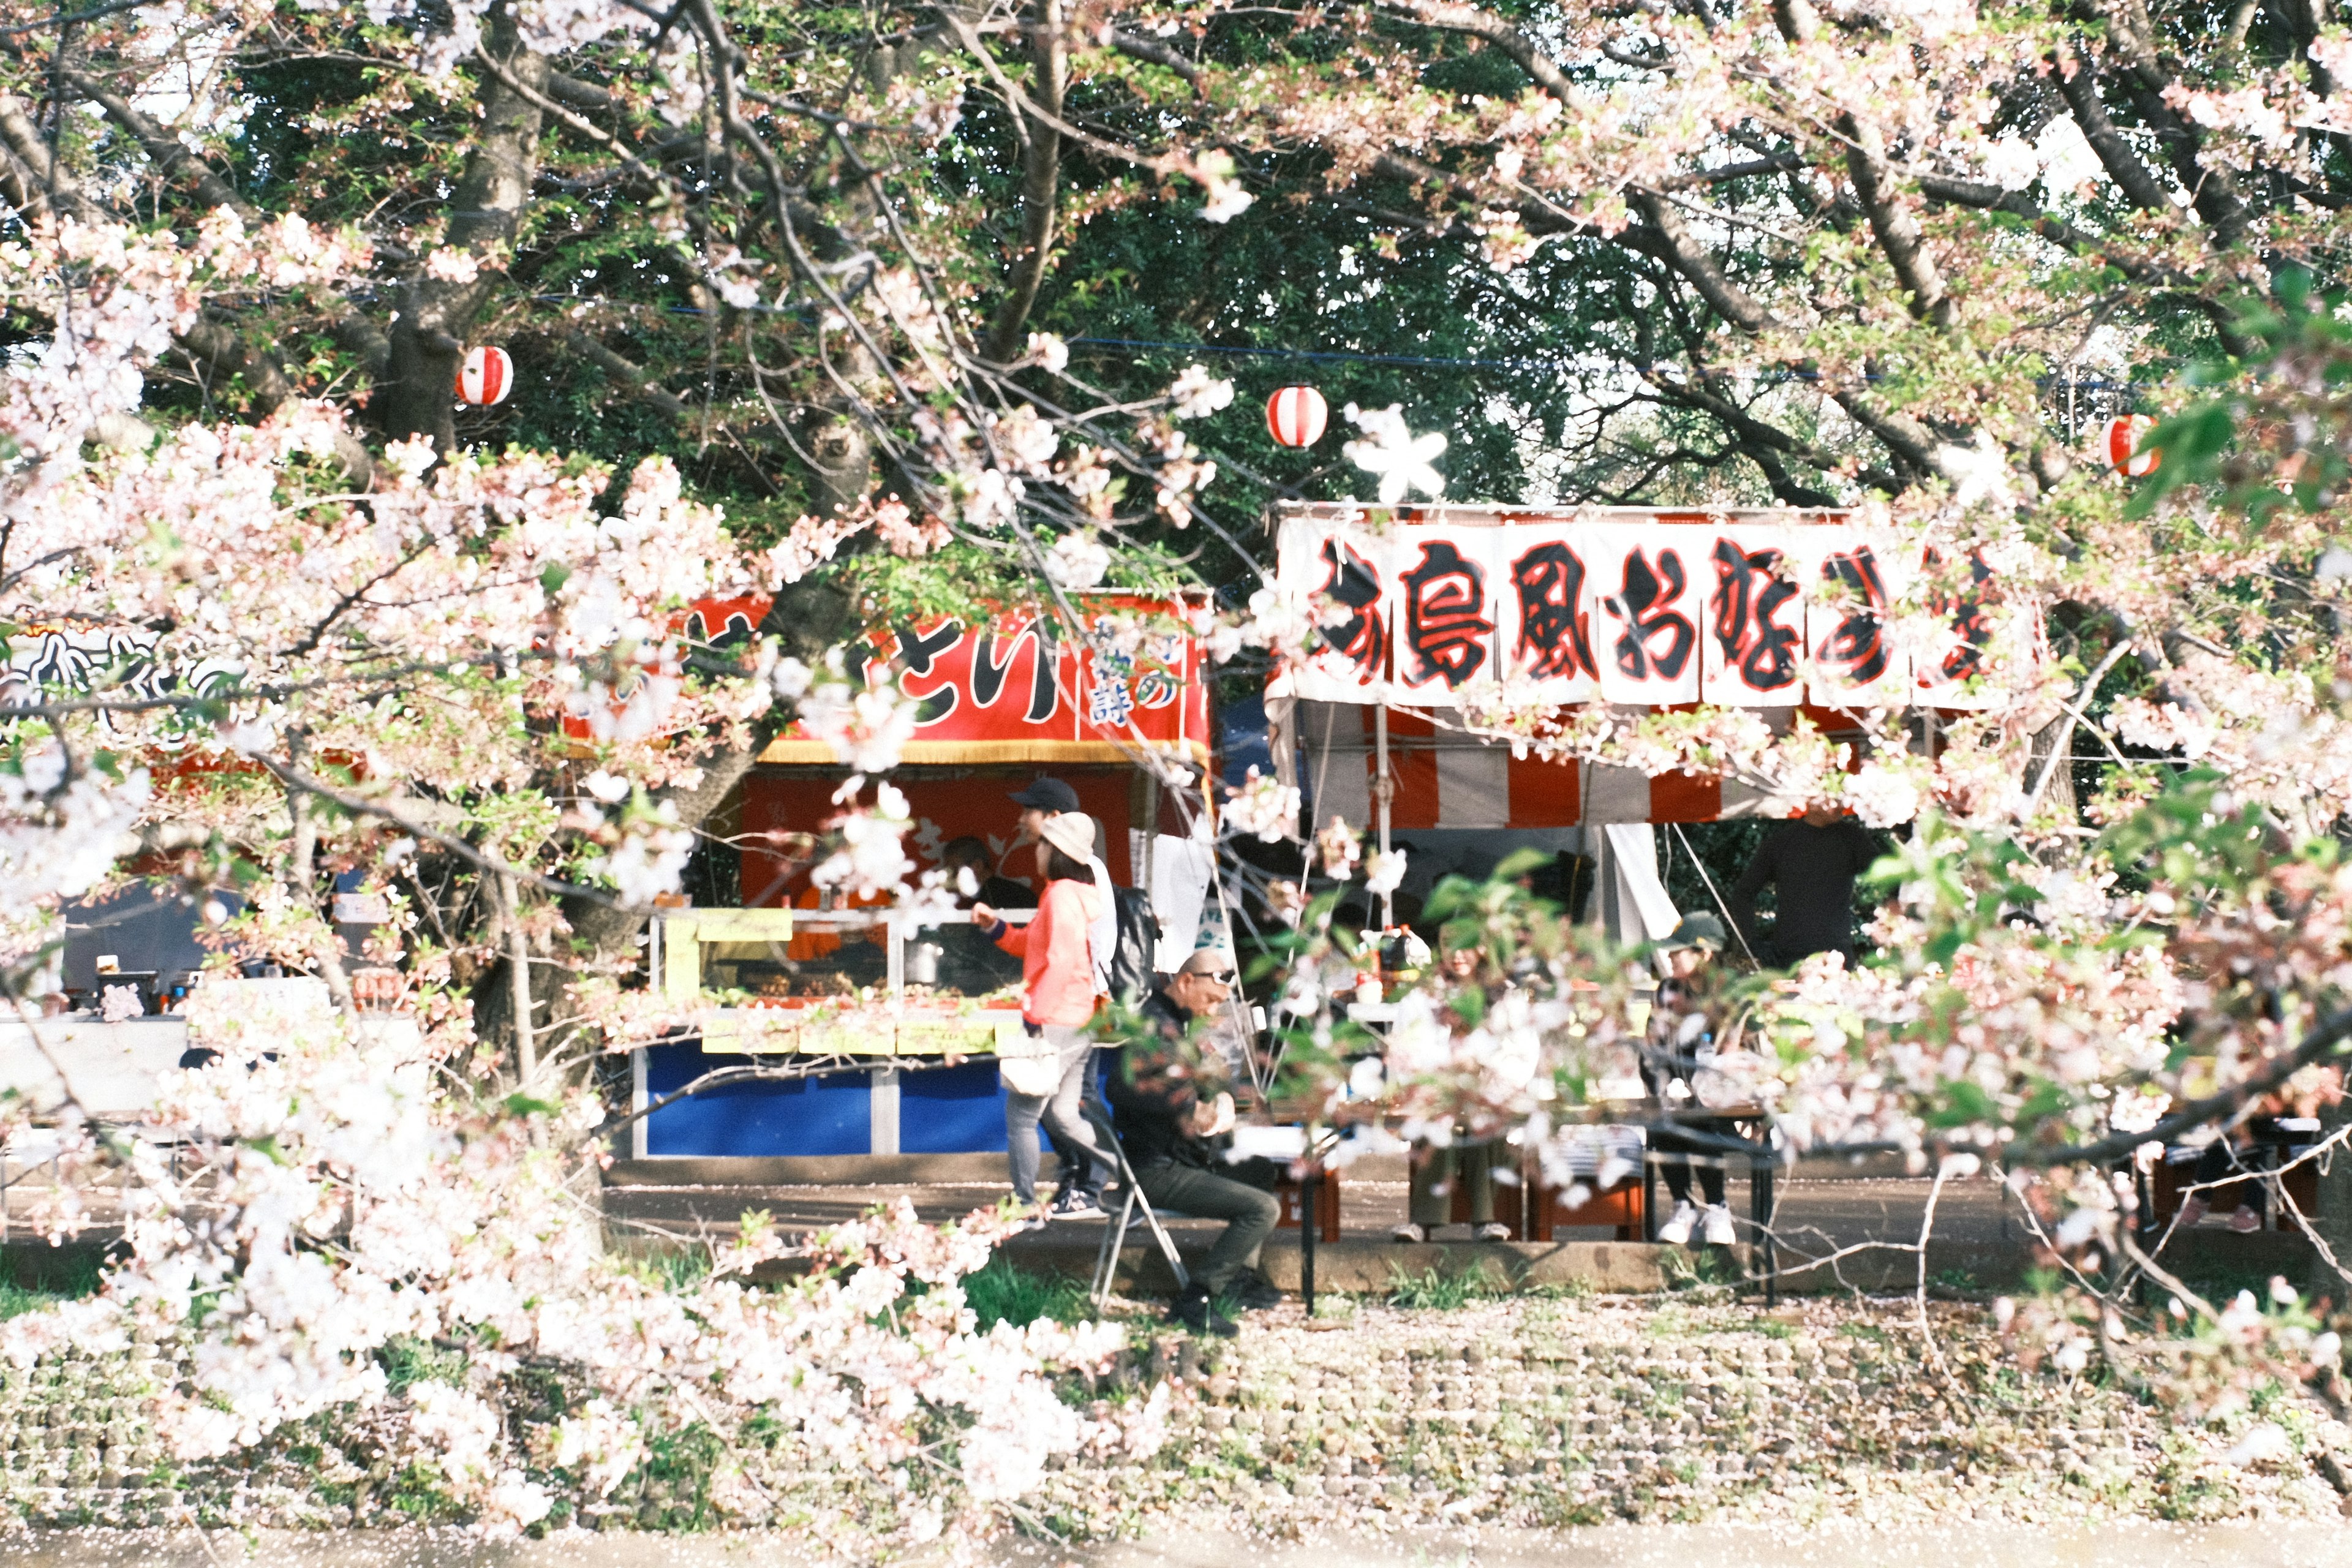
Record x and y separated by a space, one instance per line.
1473 1163
1681 1041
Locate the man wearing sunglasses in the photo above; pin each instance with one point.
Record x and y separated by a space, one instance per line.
1173 1109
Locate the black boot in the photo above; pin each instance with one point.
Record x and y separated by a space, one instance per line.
1197 1313
1253 1292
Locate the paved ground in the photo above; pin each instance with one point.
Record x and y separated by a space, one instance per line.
1953 1545
1833 1231
1815 1219
1815 1215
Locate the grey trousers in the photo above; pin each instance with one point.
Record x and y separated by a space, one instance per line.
1250 1213
1075 1051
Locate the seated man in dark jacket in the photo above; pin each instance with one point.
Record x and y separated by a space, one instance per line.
1171 1111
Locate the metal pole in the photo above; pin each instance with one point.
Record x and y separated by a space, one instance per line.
1310 1191
1383 792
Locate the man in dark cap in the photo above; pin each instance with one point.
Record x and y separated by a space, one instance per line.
1812 863
1174 1112
1042 798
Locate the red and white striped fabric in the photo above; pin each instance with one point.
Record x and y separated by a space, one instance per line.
485 376
1446 780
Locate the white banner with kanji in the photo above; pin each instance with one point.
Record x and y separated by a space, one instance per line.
1544 622
1442 612
1752 610
1342 573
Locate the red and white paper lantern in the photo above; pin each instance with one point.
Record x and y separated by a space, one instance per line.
1296 416
2123 438
485 376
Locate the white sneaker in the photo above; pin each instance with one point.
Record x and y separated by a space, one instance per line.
1408 1232
1492 1230
1676 1231
1720 1231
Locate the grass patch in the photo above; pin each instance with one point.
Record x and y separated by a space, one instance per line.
68 1279
16 1300
408 1360
1436 1291
1560 1291
1710 1271
1007 1293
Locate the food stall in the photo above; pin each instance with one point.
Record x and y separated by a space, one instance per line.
1428 610
857 1031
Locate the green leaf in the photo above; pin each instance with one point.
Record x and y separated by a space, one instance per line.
1519 862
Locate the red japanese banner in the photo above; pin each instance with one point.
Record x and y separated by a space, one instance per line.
1022 687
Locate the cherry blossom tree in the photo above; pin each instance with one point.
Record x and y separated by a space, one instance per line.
808 280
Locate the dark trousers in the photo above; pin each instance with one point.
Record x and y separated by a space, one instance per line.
1249 1210
1667 1141
1677 1146
1430 1200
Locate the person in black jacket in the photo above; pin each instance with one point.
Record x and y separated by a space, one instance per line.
1171 1108
1811 862
1680 1045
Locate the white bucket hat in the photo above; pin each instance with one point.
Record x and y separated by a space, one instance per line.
1072 833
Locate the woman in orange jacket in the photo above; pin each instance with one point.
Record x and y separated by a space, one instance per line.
1057 1003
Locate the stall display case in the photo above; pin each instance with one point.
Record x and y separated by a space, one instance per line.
881 1031
828 983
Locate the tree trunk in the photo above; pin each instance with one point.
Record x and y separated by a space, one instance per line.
842 454
486 219
2053 749
1041 180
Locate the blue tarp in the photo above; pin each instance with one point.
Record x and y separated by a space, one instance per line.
951 1110
797 1116
942 1111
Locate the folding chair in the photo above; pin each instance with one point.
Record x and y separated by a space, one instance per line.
1115 1233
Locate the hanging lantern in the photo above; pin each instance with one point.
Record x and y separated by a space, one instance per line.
485 376
1296 416
2123 454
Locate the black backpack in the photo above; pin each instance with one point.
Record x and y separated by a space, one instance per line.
1131 962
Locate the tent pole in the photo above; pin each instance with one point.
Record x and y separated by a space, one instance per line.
1383 792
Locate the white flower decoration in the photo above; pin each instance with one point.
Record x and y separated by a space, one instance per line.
1398 456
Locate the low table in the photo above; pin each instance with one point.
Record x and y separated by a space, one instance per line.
1728 1122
